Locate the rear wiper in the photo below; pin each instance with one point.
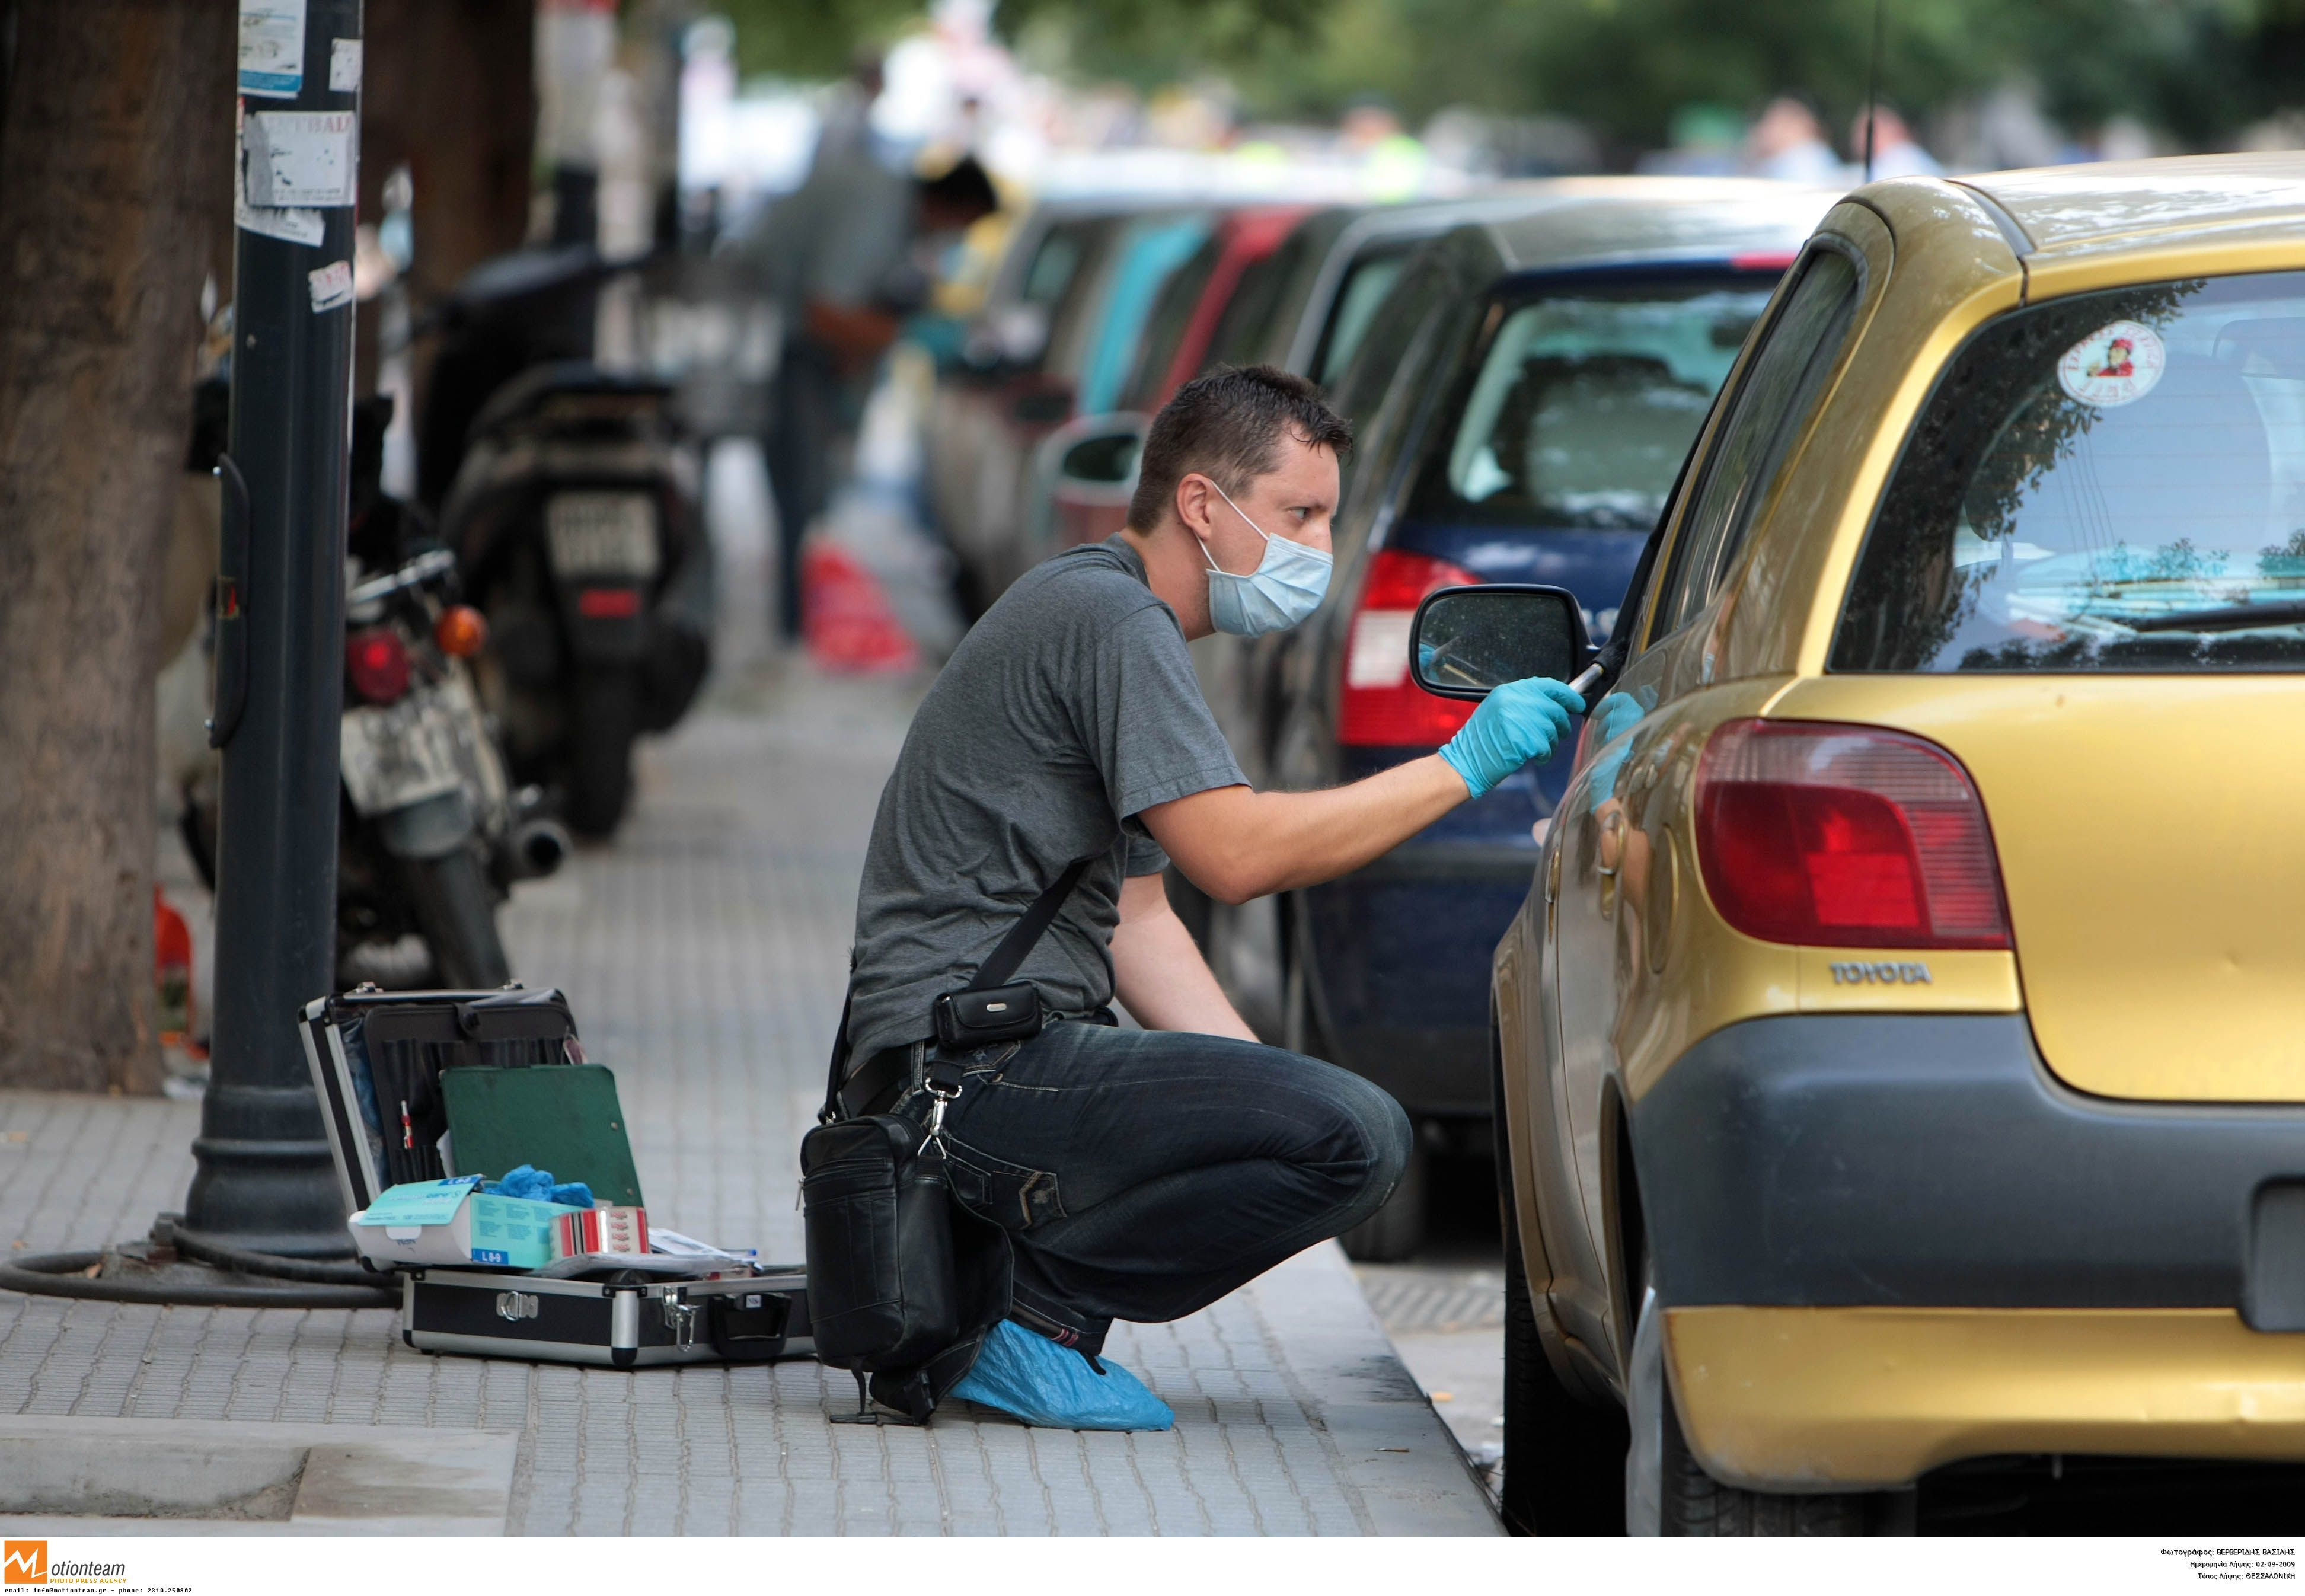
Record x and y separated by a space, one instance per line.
2226 617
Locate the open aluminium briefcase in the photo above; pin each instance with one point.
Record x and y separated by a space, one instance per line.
376 1060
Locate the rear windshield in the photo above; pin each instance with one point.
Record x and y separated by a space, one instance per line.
2113 481
1583 404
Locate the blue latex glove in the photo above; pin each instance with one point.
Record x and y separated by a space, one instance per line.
1618 713
1517 722
1056 1387
538 1186
527 1181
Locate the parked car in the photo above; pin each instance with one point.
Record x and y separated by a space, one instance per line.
1898 1050
1524 396
1110 258
1082 496
1300 301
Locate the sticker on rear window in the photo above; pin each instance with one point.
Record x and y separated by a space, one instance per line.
2117 364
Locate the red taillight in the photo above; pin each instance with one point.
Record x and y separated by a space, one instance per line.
1845 836
377 661
1382 707
609 604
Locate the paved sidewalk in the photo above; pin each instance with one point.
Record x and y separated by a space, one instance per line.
705 954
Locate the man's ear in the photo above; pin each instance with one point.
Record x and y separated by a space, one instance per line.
1195 502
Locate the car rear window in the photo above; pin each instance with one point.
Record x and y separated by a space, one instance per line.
2112 481
1583 405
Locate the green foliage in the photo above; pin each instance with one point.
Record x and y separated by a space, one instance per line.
811 39
2196 68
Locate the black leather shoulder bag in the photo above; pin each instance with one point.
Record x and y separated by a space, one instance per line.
904 1283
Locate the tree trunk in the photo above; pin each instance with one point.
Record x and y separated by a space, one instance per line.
115 139
450 93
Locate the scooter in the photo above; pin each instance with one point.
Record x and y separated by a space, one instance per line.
573 510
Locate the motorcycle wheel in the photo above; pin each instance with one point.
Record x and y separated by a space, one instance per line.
605 718
455 911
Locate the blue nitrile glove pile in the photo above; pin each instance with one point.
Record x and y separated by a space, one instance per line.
1517 722
536 1185
1056 1387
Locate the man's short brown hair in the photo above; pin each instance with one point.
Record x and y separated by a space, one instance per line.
1228 426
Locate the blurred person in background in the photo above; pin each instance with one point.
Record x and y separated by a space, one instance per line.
1788 144
846 132
844 258
1896 153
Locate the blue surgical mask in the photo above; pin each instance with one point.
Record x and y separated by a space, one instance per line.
1286 587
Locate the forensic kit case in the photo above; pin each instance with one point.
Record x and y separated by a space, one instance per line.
394 1070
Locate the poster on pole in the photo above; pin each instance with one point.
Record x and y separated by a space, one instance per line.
300 158
297 226
272 48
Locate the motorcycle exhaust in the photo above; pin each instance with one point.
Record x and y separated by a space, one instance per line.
534 848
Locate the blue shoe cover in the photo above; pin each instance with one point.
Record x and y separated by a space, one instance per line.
1056 1387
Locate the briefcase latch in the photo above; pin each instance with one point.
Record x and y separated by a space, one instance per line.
513 1306
679 1318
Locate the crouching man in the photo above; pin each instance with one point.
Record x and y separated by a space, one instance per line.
1141 1175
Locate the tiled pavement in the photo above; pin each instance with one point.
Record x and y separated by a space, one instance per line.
703 954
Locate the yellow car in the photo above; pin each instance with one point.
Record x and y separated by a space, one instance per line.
1902 1050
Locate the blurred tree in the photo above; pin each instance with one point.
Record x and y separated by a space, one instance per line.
2198 68
816 39
115 166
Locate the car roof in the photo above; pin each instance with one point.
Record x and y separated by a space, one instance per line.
2111 205
1579 222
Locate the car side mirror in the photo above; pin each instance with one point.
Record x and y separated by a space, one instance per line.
1101 452
1468 640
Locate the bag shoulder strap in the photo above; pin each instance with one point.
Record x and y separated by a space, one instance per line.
994 972
996 969
839 1067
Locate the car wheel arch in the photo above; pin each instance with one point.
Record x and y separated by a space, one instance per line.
1522 1225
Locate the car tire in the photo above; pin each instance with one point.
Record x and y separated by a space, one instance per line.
1394 1233
1300 1026
1564 1455
1668 1492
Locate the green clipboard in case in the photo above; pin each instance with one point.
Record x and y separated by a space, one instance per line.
562 1117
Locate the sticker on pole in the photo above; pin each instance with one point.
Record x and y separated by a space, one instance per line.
2117 364
332 285
300 158
296 226
272 48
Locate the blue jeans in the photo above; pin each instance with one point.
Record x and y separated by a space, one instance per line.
1141 1174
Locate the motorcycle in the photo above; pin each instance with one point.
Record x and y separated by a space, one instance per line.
430 832
433 835
574 509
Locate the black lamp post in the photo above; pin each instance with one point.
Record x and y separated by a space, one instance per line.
266 1181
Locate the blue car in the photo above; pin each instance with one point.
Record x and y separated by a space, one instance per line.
1524 399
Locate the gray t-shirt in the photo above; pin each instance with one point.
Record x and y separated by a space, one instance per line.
1069 708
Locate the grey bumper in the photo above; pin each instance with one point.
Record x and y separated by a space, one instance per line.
1931 1160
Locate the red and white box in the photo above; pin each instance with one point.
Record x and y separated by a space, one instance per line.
600 1230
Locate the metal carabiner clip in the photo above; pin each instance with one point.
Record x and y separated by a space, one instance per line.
939 1099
